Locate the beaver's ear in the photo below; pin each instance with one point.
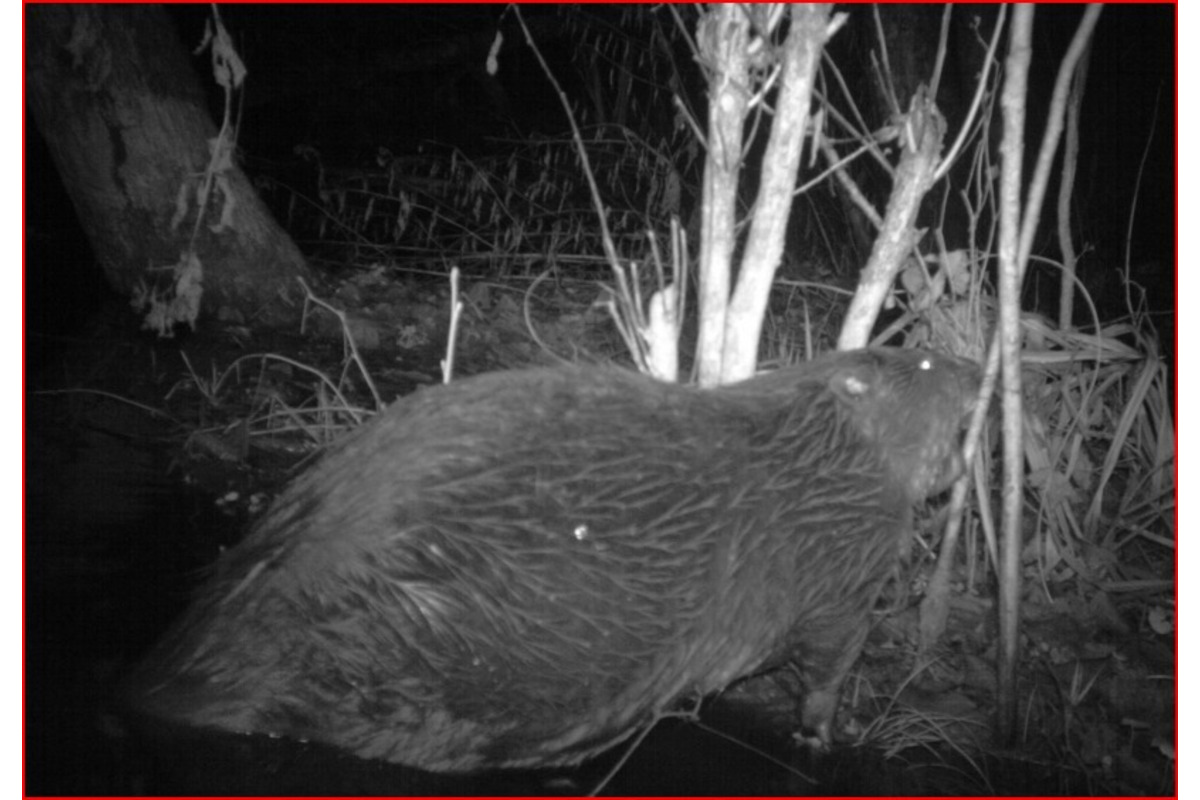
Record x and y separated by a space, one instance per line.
853 384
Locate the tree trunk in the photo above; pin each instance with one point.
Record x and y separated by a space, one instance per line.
111 90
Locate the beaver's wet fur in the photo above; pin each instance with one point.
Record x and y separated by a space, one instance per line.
522 568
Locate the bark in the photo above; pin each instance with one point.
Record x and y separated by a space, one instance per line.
722 36
897 235
810 28
111 91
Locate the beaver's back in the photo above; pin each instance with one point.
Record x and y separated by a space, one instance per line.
520 568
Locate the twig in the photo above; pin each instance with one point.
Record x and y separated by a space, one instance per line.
354 354
456 308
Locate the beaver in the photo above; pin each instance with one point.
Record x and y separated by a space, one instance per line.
521 569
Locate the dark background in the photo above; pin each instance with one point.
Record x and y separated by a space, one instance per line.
334 78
